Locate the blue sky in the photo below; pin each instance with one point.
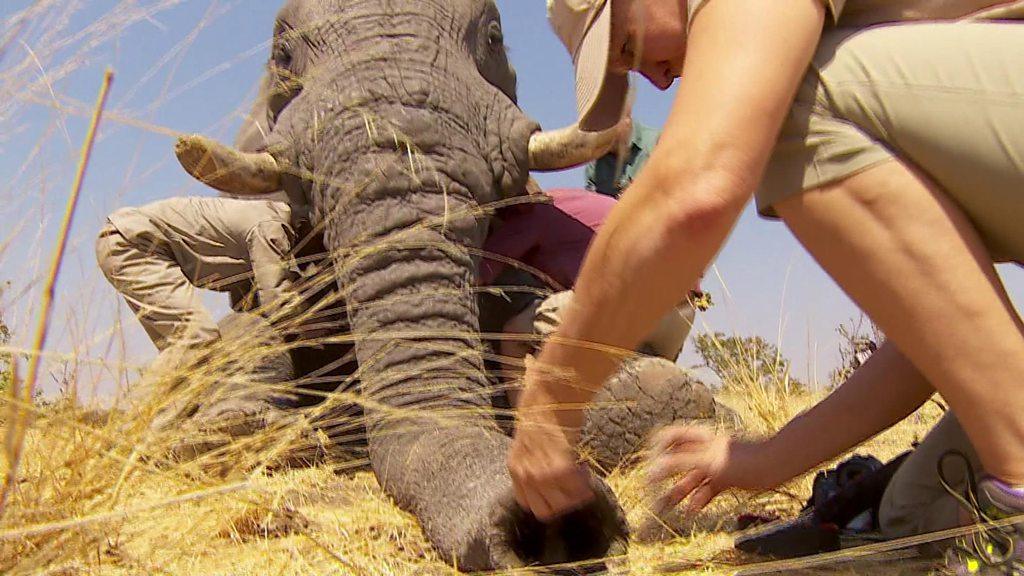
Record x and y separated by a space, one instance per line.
192 66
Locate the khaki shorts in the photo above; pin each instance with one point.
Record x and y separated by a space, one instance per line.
543 317
945 97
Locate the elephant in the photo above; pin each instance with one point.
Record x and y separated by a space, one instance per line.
396 121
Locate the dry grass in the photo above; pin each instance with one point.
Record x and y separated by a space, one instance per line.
97 496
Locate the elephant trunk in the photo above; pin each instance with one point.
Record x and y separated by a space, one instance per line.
433 444
404 262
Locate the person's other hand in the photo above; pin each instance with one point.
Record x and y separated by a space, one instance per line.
548 479
705 463
624 130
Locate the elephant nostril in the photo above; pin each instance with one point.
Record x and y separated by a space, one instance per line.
527 535
579 540
585 535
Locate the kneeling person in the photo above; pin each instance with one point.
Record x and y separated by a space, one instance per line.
552 239
543 317
158 254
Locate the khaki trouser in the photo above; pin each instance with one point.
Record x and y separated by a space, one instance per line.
945 97
543 317
915 501
156 255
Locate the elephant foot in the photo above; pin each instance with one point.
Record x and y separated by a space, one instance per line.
646 394
233 396
591 540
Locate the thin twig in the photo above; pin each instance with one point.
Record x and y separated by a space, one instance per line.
323 547
17 428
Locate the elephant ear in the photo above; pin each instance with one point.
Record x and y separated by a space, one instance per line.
247 169
278 88
227 169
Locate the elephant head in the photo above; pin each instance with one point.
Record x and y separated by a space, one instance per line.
396 120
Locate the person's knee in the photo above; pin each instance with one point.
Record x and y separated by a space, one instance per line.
670 334
895 521
916 501
906 507
109 243
548 313
522 338
273 234
906 518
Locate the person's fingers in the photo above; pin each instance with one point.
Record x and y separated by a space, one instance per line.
576 488
701 450
565 489
557 502
675 463
678 436
522 469
538 505
529 491
519 490
664 439
548 485
679 491
699 499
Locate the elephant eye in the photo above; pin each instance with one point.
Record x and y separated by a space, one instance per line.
281 52
495 39
282 55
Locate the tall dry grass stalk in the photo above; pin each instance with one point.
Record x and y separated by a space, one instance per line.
16 423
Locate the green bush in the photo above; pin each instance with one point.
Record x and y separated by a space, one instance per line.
740 361
858 340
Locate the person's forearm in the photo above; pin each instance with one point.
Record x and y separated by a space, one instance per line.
885 390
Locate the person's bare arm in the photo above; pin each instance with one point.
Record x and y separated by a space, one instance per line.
885 390
745 60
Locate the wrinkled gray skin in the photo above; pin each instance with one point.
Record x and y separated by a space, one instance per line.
646 394
377 78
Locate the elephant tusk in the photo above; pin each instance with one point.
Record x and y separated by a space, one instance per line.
227 169
569 147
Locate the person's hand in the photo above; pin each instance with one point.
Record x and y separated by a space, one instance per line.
705 463
624 131
548 478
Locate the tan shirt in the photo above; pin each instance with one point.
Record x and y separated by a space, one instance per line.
856 13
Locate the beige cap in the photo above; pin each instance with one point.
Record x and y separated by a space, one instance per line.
584 26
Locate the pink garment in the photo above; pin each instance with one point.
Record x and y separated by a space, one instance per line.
551 237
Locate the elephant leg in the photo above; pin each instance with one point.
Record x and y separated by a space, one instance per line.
326 369
646 394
